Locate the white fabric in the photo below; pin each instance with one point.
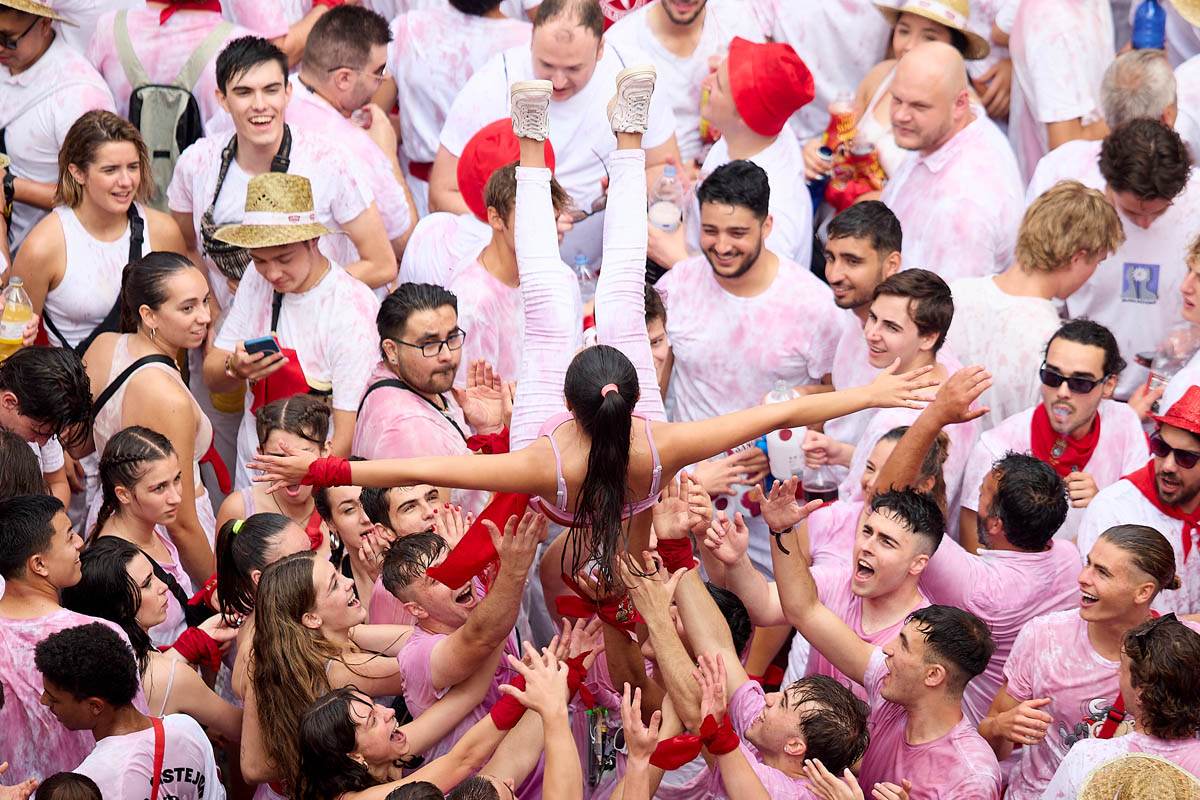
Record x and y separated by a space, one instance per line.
440 244
851 367
270 19
123 766
1008 335
1121 449
891 155
579 125
1089 754
85 14
1180 382
49 455
1078 160
1187 92
985 13
1135 291
493 316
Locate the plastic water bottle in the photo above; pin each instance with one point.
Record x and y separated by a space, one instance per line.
18 310
819 483
1149 26
587 277
784 451
666 201
1173 353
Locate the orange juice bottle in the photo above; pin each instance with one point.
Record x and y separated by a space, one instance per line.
17 313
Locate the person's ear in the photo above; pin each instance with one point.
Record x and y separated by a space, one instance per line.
37 565
497 223
891 264
767 226
391 351
926 341
1110 386
77 173
795 746
416 609
1144 593
935 675
311 620
327 447
9 402
600 50
95 706
148 316
124 496
255 574
222 101
918 564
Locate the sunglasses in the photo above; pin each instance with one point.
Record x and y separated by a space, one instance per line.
1141 640
1054 379
11 42
1186 459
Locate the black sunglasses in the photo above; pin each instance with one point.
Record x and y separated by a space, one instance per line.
11 42
1054 379
1186 459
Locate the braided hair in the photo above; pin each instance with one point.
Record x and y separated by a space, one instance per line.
121 465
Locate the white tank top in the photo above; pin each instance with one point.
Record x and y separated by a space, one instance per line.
91 281
890 153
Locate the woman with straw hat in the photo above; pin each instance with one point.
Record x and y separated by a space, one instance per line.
913 22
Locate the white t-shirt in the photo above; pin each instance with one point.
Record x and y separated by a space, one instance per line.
1187 101
1135 291
679 77
84 13
1008 335
493 316
1060 49
1120 450
984 14
123 766
339 194
270 19
579 130
1077 160
1088 754
851 367
49 455
1180 382
440 244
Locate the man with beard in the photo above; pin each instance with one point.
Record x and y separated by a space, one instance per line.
741 319
1164 494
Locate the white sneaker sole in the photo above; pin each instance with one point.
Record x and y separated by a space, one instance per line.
629 109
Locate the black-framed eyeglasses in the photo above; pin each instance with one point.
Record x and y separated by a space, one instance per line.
380 75
1054 379
1159 448
433 349
10 43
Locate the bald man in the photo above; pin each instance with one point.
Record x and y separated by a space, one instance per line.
959 195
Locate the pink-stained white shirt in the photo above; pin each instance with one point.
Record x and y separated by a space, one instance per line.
1085 756
851 367
1008 335
1005 589
269 19
961 205
397 423
166 632
839 42
162 51
493 315
1180 382
1187 101
1077 160
339 193
84 14
831 532
35 743
1121 449
1122 503
1060 49
37 108
440 244
333 348
984 14
679 77
957 766
123 766
1135 291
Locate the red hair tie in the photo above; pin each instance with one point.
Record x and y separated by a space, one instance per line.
328 471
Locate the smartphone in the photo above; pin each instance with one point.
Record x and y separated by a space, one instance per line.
263 344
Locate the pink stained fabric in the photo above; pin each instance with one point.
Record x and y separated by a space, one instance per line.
1077 160
957 766
1187 89
851 367
269 19
833 589
1087 755
493 316
123 765
386 609
831 532
960 206
1006 589
440 245
1120 450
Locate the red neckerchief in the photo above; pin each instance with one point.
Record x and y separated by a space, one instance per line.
1143 479
1061 452
187 5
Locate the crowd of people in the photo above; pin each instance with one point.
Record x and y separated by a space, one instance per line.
492 399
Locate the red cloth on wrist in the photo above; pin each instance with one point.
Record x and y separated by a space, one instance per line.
673 753
204 597
489 443
475 552
576 675
508 710
676 553
198 648
330 3
328 471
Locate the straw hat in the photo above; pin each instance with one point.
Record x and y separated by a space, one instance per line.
951 13
1188 9
279 210
4 161
1139 776
37 9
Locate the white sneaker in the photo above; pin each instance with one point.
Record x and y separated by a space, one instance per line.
529 101
629 109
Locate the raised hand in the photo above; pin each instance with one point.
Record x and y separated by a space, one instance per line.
710 674
288 469
449 523
652 592
827 786
640 739
903 390
780 509
545 689
483 400
682 507
953 402
720 475
727 540
517 546
370 553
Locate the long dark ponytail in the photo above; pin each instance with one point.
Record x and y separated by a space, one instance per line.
144 283
602 388
244 545
121 465
108 592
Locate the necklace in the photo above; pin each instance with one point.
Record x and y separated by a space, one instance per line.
303 522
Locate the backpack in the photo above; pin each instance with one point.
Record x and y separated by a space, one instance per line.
167 116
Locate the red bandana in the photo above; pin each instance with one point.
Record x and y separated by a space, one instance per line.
1143 479
1061 452
188 5
676 751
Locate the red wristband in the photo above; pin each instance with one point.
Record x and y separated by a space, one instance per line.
719 739
328 471
677 554
676 751
489 443
576 675
198 648
508 710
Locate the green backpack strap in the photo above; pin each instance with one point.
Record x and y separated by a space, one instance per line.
187 77
134 72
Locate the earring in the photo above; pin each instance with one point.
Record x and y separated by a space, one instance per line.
152 332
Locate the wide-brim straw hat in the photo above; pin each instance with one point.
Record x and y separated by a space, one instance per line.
951 13
1139 776
279 211
1188 9
4 161
35 8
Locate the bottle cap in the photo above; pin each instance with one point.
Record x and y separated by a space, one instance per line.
16 280
580 258
669 171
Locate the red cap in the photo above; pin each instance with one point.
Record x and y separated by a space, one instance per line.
769 84
1185 414
494 146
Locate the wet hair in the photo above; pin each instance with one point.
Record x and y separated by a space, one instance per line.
735 614
144 283
52 389
20 472
28 525
1086 331
407 299
326 737
1030 501
738 183
86 136
68 786
956 639
1149 551
89 661
918 511
241 549
476 8
500 192
871 220
1145 158
107 591
1163 655
418 790
930 303
655 308
933 463
585 13
1065 219
244 54
124 463
476 787
836 730
300 415
405 561
343 37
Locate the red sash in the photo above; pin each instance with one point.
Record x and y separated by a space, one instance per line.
1061 452
1143 479
188 5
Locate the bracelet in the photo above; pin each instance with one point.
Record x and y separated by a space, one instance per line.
10 191
229 370
779 539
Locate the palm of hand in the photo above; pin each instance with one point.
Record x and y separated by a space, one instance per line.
672 518
482 406
781 513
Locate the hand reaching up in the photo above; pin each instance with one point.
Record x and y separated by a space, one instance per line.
640 739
